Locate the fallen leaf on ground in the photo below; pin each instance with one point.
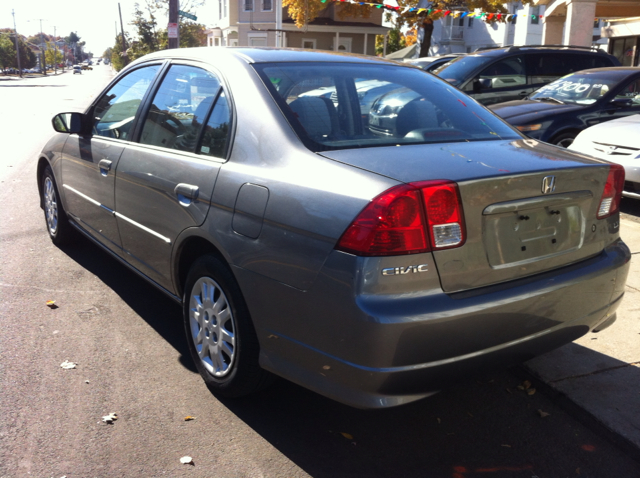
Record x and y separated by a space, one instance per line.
189 418
526 384
531 391
543 414
438 420
68 365
86 381
186 460
51 304
347 436
112 417
506 446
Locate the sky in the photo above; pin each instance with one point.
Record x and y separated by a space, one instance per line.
94 21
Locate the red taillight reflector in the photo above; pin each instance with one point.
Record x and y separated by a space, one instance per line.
391 224
610 201
395 222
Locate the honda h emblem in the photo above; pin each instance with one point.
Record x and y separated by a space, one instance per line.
611 149
548 184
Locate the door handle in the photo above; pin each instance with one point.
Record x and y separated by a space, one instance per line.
186 193
105 166
523 93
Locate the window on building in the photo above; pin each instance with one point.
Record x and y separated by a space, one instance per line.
309 43
248 5
596 23
224 8
257 39
470 22
267 5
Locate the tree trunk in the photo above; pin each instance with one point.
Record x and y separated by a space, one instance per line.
427 26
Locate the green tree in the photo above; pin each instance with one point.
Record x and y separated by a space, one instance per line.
118 55
52 55
7 52
395 41
27 57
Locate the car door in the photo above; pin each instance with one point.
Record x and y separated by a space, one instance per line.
503 80
164 183
89 160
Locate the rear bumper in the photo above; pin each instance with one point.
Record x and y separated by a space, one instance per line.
377 350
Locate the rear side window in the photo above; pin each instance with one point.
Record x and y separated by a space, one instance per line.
341 105
504 73
179 108
545 68
216 132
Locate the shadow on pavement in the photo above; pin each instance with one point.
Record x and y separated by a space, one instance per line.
158 310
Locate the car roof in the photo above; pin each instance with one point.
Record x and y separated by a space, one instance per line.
262 55
610 71
537 48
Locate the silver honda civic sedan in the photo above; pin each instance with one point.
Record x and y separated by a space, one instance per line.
369 250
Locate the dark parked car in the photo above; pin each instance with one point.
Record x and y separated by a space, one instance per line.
505 74
371 268
430 63
556 113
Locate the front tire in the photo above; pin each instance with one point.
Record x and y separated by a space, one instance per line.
60 231
220 333
564 140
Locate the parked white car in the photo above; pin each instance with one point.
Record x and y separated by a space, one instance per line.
617 141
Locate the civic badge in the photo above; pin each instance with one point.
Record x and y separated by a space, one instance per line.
548 184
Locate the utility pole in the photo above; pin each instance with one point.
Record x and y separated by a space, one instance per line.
55 52
17 43
173 18
124 47
43 61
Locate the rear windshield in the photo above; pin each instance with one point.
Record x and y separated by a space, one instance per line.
341 105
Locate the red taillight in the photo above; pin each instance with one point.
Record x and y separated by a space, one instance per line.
395 222
443 207
610 201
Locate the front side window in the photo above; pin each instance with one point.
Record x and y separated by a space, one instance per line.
340 106
115 111
179 108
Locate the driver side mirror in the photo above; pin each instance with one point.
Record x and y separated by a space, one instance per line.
481 84
621 102
68 123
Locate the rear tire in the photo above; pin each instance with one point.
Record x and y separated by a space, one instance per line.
60 231
220 332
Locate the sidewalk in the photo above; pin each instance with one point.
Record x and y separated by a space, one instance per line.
600 373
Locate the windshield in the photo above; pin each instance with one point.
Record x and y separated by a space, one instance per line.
576 88
342 105
458 69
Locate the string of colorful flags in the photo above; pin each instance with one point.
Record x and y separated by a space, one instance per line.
429 11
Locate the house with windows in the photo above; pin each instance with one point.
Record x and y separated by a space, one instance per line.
465 35
262 23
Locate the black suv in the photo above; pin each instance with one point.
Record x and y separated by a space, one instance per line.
512 73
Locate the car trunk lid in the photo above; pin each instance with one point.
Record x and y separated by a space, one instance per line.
523 215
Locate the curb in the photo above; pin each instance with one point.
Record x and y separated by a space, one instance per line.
586 418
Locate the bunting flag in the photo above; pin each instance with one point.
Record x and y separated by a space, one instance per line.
507 17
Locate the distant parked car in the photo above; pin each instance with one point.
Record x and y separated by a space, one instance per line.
505 74
430 63
557 112
77 69
617 141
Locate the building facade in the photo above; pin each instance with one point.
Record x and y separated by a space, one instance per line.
261 23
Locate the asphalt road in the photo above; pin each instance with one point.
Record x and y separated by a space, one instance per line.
132 359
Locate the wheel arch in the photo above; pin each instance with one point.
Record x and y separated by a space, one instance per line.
573 130
43 162
190 249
